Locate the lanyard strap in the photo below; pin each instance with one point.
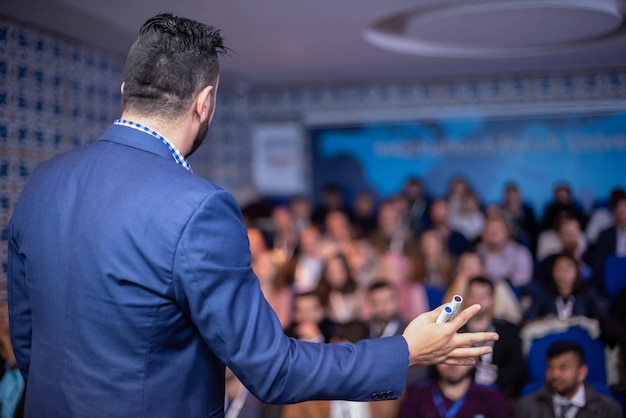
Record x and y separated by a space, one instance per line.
443 412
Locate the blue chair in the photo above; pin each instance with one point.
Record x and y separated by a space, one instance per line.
614 275
594 359
435 295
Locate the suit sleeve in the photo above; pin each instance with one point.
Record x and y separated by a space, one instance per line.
19 306
215 284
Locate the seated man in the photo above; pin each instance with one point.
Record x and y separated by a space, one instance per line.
309 320
384 318
504 259
385 321
565 394
454 394
504 367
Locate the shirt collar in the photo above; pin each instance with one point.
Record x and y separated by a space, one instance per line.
178 156
578 400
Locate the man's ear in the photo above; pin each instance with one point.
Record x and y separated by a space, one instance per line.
122 88
203 102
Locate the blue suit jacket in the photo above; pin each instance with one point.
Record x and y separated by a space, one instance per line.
130 287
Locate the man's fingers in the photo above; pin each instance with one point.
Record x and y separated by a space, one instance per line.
467 352
468 339
459 361
464 316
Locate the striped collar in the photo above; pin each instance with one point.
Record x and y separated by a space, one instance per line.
178 156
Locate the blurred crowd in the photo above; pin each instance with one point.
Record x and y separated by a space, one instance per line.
344 271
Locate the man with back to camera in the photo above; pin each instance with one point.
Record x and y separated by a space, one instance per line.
130 285
565 394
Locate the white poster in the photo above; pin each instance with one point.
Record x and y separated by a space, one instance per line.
278 163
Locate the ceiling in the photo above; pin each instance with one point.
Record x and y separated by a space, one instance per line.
278 42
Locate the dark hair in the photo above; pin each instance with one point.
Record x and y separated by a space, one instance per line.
483 281
563 217
579 283
324 288
378 284
616 196
561 347
353 331
171 59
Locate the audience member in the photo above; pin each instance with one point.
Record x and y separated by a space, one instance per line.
305 266
364 262
364 210
438 216
385 320
565 394
338 290
430 269
468 266
337 233
562 201
602 218
382 308
520 217
454 394
469 219
503 258
392 234
310 322
458 190
567 295
507 306
418 203
566 236
274 286
614 334
301 210
611 241
432 264
504 367
282 236
332 199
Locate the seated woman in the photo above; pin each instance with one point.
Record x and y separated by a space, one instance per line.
566 295
338 290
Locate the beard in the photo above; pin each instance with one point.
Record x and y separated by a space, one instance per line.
203 129
455 380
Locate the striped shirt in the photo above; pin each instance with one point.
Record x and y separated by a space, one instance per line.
178 156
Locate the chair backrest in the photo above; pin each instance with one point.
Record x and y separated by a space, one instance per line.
434 295
594 358
614 275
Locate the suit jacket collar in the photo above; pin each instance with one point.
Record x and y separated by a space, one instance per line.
136 139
